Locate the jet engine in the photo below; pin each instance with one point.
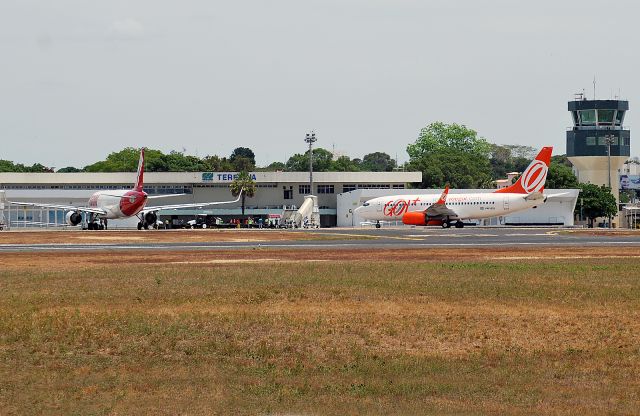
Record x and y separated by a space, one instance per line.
73 218
150 218
419 218
414 218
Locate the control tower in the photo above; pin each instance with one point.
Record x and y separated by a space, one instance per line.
598 144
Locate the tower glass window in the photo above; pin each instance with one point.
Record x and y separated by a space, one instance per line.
587 116
575 118
591 141
605 116
619 117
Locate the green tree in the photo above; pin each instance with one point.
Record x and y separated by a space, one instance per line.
241 163
459 170
275 166
126 160
344 164
596 201
438 137
69 169
503 160
453 154
378 162
217 164
9 166
561 160
243 183
243 152
322 159
561 177
524 152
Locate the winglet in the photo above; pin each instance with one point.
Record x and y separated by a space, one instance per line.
533 178
140 178
443 196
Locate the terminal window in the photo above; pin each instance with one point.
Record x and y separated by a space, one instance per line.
326 189
591 141
348 188
304 189
288 192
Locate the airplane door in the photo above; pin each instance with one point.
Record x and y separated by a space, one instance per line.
379 207
505 203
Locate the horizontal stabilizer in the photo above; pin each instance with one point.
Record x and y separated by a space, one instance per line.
534 196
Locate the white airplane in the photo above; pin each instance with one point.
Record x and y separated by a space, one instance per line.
447 209
118 204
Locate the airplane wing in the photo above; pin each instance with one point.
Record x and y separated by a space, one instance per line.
163 196
439 208
192 205
560 195
55 206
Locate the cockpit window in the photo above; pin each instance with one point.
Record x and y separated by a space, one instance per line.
366 204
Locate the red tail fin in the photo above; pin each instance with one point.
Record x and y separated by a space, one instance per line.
140 178
533 178
443 197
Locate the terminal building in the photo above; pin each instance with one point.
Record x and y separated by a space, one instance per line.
274 191
339 193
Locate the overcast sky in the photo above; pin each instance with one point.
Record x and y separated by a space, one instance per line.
82 78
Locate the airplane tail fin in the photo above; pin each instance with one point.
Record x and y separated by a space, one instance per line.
140 178
443 197
534 177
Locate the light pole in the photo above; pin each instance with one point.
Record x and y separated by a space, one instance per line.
311 139
609 140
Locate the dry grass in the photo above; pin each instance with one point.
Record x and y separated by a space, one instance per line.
162 236
340 337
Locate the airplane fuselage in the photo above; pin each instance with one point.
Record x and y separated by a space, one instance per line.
466 206
118 203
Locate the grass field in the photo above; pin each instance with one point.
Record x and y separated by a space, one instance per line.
321 337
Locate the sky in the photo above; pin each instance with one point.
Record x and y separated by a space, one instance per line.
82 78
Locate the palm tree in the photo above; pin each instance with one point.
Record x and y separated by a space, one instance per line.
243 183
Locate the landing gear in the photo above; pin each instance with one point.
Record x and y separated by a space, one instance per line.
95 226
459 224
139 226
446 224
94 223
377 224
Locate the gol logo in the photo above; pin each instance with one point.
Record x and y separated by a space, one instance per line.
395 208
534 177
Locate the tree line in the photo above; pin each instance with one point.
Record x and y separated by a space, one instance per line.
241 159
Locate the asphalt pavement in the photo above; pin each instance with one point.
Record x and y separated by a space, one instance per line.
339 238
